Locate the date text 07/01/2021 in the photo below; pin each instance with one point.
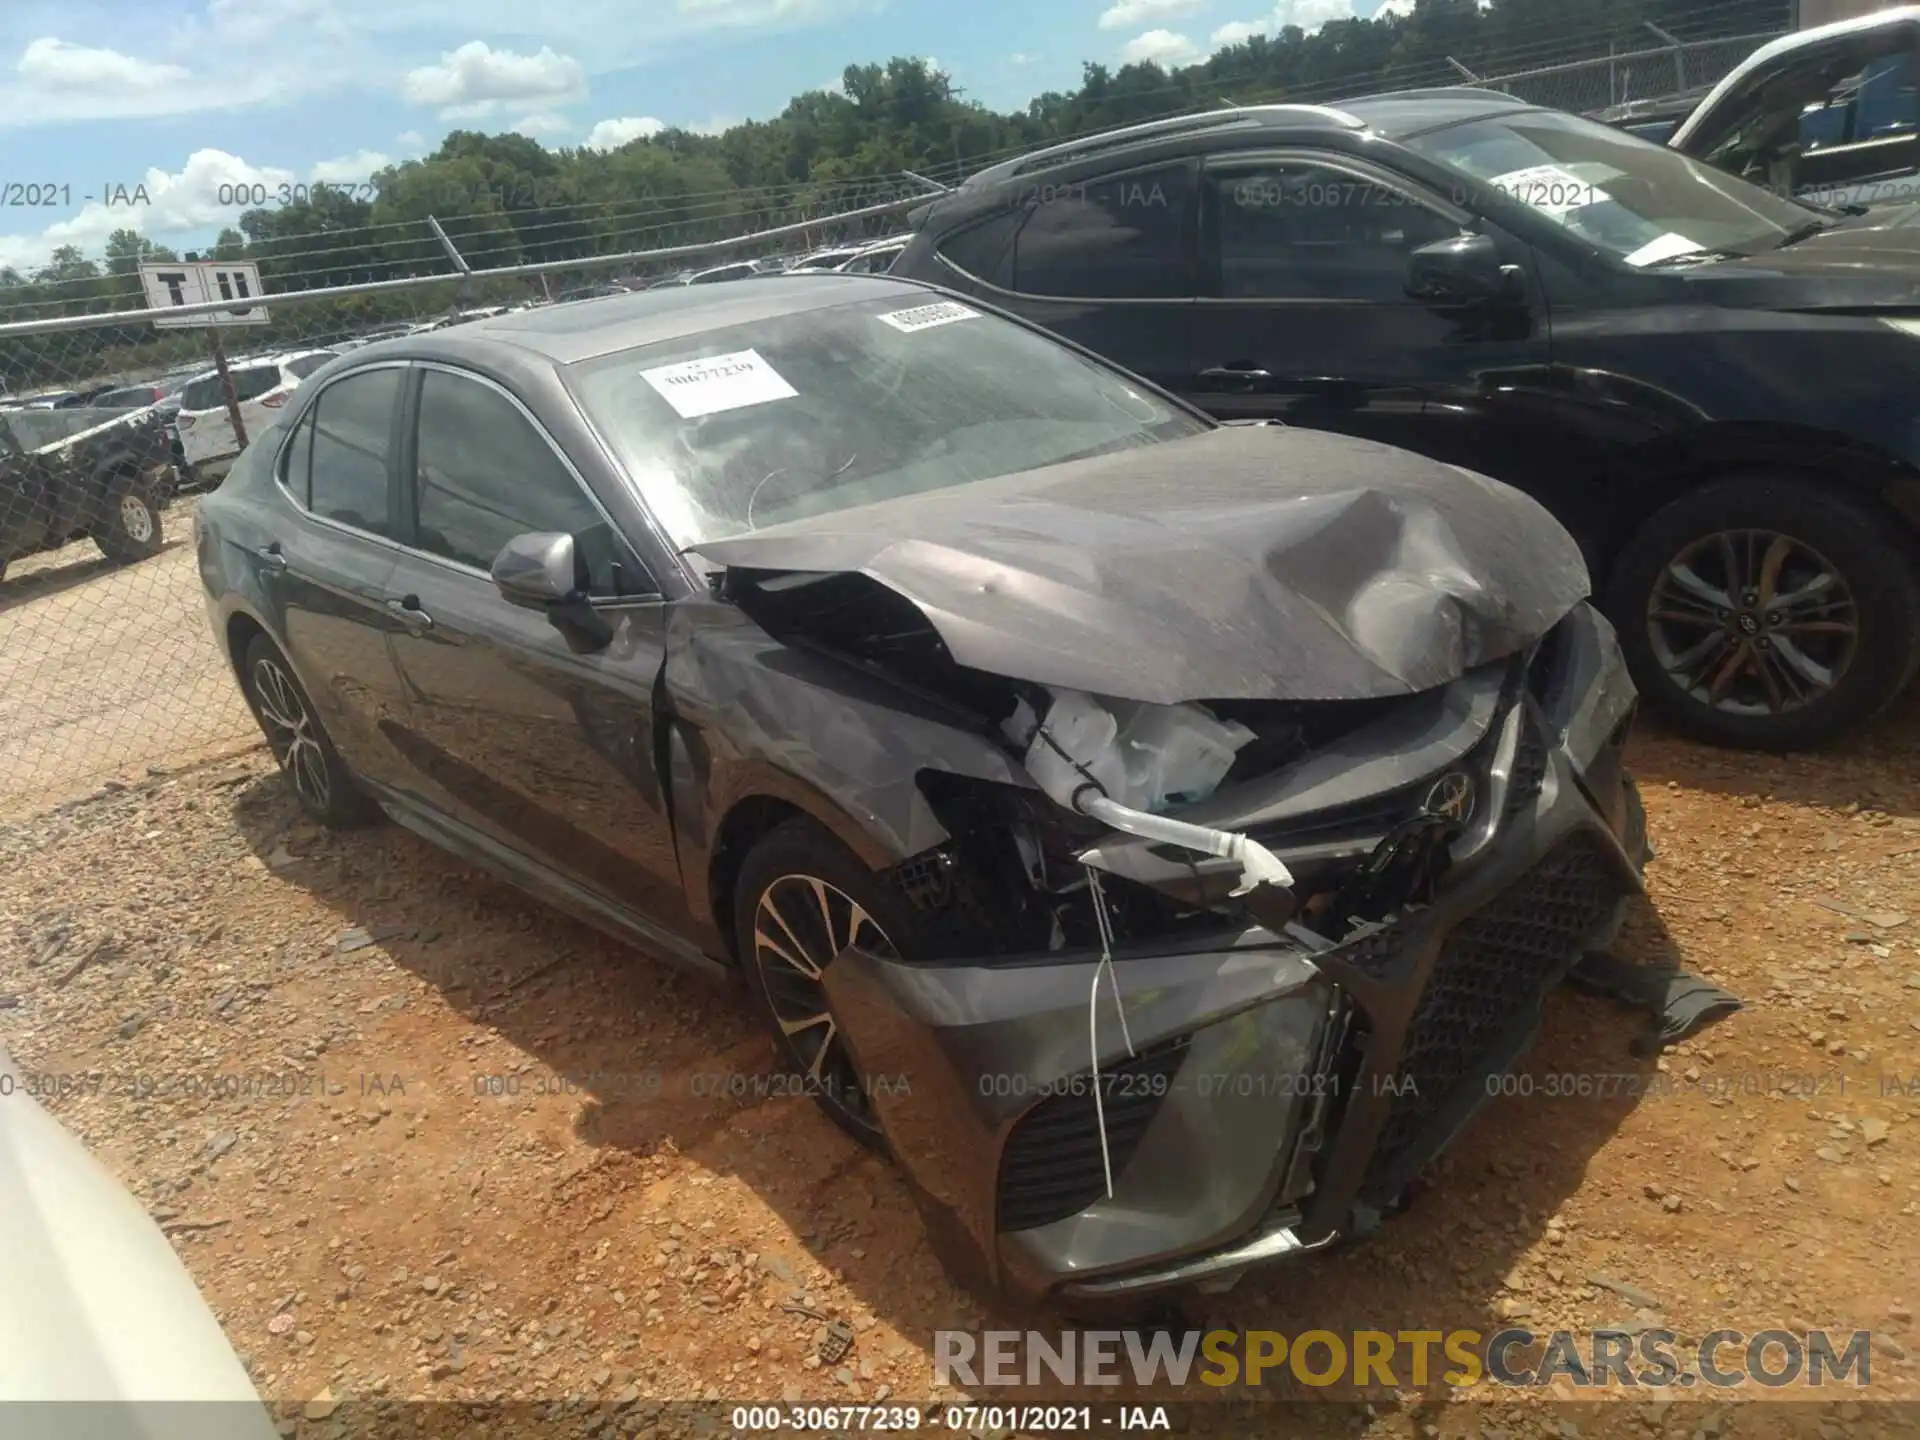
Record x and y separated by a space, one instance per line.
967 1419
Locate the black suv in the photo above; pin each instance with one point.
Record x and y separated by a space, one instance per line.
1717 390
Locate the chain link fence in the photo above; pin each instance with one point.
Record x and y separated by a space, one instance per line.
107 664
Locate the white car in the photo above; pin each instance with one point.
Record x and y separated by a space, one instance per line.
874 259
98 1309
261 386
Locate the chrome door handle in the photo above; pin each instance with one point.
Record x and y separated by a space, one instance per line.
272 556
407 607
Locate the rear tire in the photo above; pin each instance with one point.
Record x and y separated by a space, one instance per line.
129 527
319 778
800 899
1800 604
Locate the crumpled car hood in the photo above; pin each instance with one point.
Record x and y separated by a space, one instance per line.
1248 562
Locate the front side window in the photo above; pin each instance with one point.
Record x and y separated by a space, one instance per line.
1122 236
202 394
1644 204
1300 230
352 435
1833 113
848 404
484 474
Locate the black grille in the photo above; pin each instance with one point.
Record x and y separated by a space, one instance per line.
1494 962
1051 1166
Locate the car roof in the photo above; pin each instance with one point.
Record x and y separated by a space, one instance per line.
577 330
1393 114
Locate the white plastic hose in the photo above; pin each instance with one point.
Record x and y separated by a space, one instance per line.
1258 865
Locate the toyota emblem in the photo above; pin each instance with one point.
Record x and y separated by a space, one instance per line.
1452 797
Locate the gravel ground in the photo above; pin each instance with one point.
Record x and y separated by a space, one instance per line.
333 1066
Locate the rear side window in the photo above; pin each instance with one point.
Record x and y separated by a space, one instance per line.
254 381
303 367
1122 236
352 433
982 250
201 394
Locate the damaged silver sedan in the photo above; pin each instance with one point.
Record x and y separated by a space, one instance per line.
1151 832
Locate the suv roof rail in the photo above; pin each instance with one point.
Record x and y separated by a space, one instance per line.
1235 117
1446 92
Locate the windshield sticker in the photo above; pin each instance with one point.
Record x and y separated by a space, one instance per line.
719 382
1663 247
925 317
1550 189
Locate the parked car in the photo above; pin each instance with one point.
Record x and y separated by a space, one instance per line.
261 386
830 257
737 270
904 663
1707 383
69 474
1830 114
105 1317
133 397
875 259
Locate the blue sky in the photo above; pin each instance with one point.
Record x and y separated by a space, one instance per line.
186 98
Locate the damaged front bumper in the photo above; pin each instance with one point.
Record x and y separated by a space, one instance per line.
1259 1094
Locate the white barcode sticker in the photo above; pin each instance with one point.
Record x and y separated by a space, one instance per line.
719 382
925 317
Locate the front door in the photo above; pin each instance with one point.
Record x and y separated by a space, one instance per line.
509 730
1304 318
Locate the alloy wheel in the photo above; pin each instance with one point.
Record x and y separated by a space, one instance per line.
800 926
1753 622
135 520
292 733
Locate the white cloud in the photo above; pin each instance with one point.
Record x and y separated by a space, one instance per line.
622 130
1403 8
476 80
1308 15
1159 47
52 62
1019 60
719 125
210 191
1126 14
349 169
543 122
411 140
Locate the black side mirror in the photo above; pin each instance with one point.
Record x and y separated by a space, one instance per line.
544 571
1465 270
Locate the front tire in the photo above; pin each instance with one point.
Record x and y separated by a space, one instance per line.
1766 613
321 781
801 899
129 527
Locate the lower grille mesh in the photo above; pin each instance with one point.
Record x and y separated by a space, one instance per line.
1051 1166
1494 962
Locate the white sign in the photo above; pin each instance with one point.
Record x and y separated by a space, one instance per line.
925 317
1549 189
720 382
200 282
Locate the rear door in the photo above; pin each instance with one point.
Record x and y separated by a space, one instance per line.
543 750
326 562
1107 262
206 434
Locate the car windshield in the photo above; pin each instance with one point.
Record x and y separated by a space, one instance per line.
804 414
1641 202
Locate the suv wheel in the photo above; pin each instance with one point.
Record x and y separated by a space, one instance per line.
1767 613
129 525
